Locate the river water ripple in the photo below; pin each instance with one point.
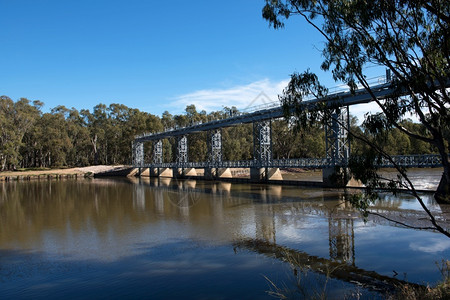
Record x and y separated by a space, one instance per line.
169 239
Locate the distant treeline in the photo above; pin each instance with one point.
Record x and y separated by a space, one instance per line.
68 137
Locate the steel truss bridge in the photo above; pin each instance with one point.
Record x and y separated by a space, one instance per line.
336 139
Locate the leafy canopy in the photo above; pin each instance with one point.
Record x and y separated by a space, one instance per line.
408 38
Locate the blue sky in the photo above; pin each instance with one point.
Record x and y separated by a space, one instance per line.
150 55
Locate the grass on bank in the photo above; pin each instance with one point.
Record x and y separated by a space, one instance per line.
440 291
303 288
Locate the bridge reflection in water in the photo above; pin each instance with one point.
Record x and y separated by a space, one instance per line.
272 205
144 226
184 195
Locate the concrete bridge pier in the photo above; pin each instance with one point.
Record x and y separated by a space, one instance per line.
165 172
335 177
189 172
212 173
274 174
258 174
161 172
265 174
183 172
144 172
177 172
154 172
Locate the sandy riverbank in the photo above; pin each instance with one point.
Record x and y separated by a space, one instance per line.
83 171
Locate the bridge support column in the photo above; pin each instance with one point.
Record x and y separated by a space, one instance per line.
138 155
264 174
158 152
144 172
258 174
154 172
182 156
161 172
262 152
189 172
337 147
215 156
165 172
157 158
183 172
177 172
212 173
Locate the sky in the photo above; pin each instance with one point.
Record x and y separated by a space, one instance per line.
152 55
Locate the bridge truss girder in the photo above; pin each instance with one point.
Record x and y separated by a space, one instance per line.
337 143
262 141
182 149
215 146
158 152
138 153
341 240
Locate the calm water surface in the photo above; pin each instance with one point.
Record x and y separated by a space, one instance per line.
169 239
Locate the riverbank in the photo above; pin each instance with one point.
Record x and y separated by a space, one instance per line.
59 173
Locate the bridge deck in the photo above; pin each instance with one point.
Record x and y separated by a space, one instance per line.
381 91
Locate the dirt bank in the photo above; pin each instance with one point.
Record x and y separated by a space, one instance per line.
84 171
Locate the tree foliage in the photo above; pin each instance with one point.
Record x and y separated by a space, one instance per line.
68 137
410 39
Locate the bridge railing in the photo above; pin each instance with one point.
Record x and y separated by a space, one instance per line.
413 161
331 91
410 161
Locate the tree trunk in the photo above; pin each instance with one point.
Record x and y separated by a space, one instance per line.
4 163
94 144
442 194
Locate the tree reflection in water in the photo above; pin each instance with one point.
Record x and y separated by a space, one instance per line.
315 230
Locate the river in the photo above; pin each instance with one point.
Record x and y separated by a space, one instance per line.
171 239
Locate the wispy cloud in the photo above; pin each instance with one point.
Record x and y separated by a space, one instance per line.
432 246
361 109
251 95
243 96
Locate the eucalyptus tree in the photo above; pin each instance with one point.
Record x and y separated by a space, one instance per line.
167 120
97 123
16 119
78 133
237 142
52 141
409 38
291 141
